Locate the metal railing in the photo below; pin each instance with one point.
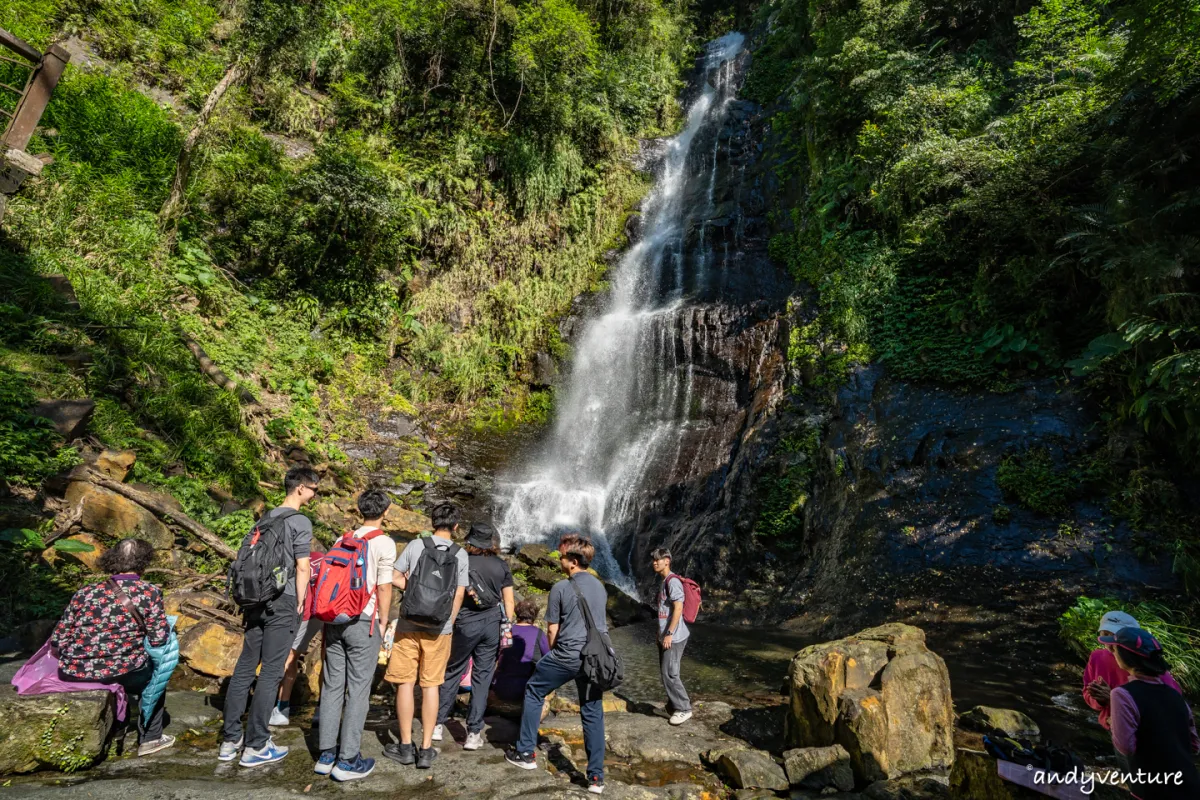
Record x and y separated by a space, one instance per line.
44 69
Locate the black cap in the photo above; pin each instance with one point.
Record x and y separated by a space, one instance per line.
482 536
1135 640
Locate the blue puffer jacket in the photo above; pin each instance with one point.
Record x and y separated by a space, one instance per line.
165 658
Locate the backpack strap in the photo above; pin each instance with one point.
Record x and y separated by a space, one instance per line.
126 603
587 612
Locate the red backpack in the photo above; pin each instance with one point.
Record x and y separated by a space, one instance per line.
341 591
691 598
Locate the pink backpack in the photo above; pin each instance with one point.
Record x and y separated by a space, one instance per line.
691 598
341 592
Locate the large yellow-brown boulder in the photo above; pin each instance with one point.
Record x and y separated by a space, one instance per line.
88 558
115 463
210 649
409 523
881 694
178 603
116 516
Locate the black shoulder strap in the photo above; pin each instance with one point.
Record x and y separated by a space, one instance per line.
587 612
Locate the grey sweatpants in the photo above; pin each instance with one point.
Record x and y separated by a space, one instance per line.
668 664
351 653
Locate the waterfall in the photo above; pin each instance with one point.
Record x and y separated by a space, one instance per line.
634 389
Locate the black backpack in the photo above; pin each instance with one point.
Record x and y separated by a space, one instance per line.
264 562
429 593
601 665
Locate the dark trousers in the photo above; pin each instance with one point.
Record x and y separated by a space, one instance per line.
135 682
479 641
551 673
267 641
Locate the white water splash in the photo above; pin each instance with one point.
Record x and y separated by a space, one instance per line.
630 391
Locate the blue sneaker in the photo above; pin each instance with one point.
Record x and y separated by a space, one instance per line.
353 770
269 754
325 763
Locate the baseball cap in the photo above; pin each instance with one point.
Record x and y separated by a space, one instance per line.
1115 620
1135 640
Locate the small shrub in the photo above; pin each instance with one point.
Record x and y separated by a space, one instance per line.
1034 481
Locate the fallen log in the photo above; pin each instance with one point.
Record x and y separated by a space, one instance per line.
215 543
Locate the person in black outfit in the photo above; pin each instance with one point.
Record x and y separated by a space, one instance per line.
487 607
1153 730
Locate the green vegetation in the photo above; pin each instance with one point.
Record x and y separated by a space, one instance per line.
1036 482
783 496
991 192
1173 629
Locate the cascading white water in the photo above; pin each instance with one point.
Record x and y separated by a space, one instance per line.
631 391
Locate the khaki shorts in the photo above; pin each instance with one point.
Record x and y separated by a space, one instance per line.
416 651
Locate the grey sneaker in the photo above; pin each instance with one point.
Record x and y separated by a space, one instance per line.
474 741
401 753
161 743
229 750
425 757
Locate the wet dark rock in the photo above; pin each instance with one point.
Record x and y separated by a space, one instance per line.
545 370
633 227
986 718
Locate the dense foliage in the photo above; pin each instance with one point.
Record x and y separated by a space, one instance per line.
390 204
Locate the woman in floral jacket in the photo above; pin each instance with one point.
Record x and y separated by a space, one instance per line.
102 635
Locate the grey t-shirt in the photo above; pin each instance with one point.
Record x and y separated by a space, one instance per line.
563 609
404 566
299 532
669 593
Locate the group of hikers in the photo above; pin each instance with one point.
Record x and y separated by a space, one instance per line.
458 616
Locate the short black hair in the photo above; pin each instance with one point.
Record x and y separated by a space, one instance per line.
129 555
445 516
300 476
526 611
1153 666
659 552
373 503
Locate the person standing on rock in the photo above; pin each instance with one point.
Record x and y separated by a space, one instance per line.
269 629
433 573
1153 729
102 635
488 605
568 633
352 647
672 636
1103 673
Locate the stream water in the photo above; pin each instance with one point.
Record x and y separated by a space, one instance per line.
632 396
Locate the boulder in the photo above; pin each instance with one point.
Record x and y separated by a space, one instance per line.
536 555
818 767
115 463
881 694
210 649
545 371
1013 723
974 777
89 558
563 705
409 523
623 609
116 516
62 730
178 603
749 769
69 417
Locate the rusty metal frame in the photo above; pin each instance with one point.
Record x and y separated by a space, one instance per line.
46 70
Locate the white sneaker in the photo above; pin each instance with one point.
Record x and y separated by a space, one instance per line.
474 741
278 718
229 750
161 743
437 732
680 717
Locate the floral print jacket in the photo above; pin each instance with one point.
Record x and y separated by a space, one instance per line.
97 639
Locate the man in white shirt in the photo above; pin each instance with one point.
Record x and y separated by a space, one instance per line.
352 651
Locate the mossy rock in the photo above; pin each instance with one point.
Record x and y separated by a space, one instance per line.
65 731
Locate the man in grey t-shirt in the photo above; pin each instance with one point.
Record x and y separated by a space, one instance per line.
567 631
672 636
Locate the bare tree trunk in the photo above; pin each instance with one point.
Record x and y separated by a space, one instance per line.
173 206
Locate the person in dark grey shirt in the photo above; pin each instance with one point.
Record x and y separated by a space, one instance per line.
567 630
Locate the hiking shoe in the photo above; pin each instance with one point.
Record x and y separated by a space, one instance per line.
438 730
596 785
279 718
154 745
474 741
269 754
353 770
401 753
229 750
425 757
518 759
680 717
325 763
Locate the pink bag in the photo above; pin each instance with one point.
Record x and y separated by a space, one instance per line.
39 675
465 683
